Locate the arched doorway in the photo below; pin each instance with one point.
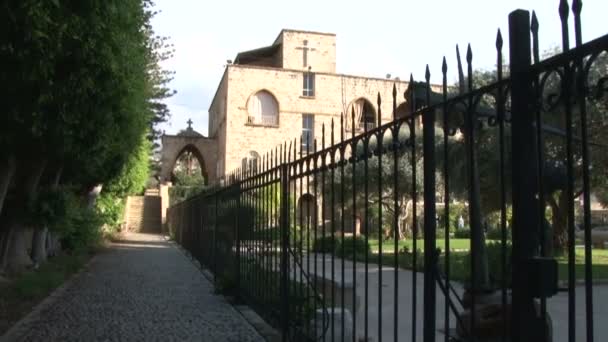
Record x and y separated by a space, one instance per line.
189 164
194 148
365 115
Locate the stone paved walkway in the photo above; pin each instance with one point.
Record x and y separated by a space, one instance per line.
143 289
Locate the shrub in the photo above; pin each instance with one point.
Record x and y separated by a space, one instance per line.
85 229
351 244
324 244
111 211
495 233
462 233
406 259
495 252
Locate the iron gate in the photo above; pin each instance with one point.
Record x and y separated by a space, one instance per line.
360 234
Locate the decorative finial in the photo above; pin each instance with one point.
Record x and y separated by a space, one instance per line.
189 122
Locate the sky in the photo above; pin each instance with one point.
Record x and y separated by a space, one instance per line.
374 38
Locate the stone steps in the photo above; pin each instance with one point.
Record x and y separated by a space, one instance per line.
144 213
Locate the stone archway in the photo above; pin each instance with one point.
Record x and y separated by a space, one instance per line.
203 148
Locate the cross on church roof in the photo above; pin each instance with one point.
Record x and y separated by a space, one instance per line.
305 50
189 122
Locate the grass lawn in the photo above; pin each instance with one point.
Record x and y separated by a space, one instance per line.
388 246
24 291
599 268
460 259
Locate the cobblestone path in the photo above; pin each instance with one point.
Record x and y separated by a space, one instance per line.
142 289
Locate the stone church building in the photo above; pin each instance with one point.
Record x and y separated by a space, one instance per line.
288 90
279 93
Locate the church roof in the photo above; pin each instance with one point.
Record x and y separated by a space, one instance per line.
189 132
265 54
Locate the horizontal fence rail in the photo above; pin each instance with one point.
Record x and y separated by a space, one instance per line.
458 220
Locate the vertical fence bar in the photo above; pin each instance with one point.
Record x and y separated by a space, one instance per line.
581 83
412 140
524 323
284 228
353 157
500 114
566 88
323 227
342 223
379 151
446 198
333 231
430 223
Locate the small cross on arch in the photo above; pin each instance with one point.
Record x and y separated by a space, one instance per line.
189 122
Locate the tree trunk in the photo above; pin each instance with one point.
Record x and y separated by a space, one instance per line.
559 221
39 239
53 244
7 170
39 252
18 257
481 280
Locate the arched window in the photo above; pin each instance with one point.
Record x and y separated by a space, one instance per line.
250 162
263 109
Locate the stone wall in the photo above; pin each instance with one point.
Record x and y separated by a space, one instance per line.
334 94
322 54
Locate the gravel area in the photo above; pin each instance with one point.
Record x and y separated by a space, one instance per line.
142 289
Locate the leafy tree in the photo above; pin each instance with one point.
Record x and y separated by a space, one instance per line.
395 181
86 89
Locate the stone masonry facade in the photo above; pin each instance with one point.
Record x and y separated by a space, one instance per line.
280 71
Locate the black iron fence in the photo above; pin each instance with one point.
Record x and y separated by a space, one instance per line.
460 220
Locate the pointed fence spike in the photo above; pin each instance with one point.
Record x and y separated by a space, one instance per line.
444 66
499 41
352 121
469 54
577 7
461 82
394 102
427 73
341 126
563 10
534 23
323 136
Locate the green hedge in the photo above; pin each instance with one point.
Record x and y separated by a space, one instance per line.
341 247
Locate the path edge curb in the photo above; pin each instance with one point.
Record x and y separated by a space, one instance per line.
267 332
19 328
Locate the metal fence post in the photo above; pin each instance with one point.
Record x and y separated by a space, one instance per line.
237 237
430 223
214 246
284 251
525 324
